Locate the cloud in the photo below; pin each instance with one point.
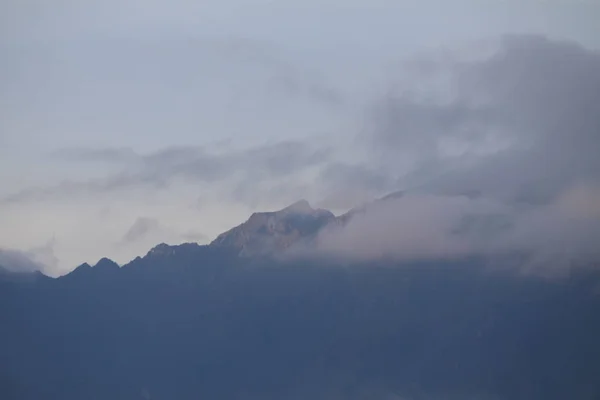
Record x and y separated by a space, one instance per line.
289 79
408 227
195 236
501 159
519 124
103 155
17 261
40 258
558 235
563 233
191 164
343 185
147 231
489 147
140 228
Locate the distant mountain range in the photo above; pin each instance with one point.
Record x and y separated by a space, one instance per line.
273 232
231 320
267 233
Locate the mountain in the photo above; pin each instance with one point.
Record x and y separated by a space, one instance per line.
105 264
221 321
198 322
104 267
269 232
8 275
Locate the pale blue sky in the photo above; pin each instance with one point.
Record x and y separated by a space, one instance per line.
90 89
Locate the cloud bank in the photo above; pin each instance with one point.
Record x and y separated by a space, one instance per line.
511 141
496 151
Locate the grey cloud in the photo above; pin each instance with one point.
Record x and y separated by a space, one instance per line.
347 175
411 127
67 189
39 258
559 235
253 166
272 192
192 164
562 233
344 185
516 131
292 80
284 76
308 87
283 158
409 227
503 159
106 155
535 105
17 261
194 236
149 231
140 228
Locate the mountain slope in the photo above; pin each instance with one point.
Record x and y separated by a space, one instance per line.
269 232
197 323
221 321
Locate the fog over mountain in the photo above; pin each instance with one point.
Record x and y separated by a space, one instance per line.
298 303
511 132
511 123
328 200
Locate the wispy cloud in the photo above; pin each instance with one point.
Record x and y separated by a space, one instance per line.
140 228
514 128
192 164
39 258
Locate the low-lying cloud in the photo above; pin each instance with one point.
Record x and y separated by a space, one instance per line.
17 261
40 258
504 159
425 226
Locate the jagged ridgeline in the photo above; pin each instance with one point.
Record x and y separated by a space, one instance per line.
230 321
268 232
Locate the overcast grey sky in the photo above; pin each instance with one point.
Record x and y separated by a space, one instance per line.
127 123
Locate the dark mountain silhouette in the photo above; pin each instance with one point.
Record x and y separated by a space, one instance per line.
228 321
106 264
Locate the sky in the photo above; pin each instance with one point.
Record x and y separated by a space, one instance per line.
128 123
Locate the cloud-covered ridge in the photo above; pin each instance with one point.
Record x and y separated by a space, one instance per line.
503 159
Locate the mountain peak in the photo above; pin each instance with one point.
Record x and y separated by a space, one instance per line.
166 250
267 232
82 267
106 264
160 249
300 206
81 270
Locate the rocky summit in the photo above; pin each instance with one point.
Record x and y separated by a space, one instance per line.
268 232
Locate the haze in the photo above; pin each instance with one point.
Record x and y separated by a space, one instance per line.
128 123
